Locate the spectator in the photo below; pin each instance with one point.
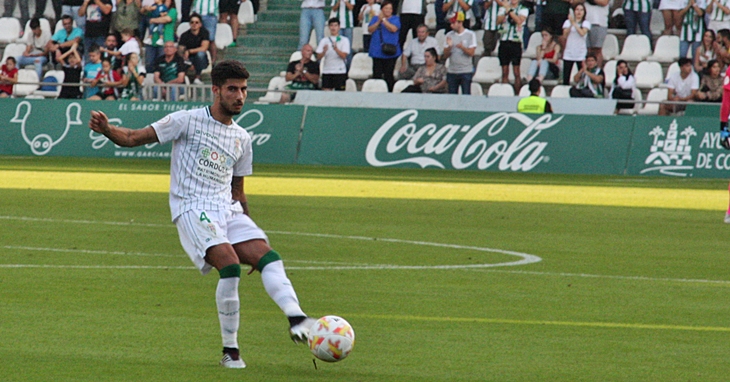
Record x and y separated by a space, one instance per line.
91 70
169 69
623 85
130 45
512 17
72 8
185 13
367 12
431 77
554 15
65 38
672 19
303 74
461 44
384 48
721 46
453 7
719 11
40 7
575 30
109 50
208 11
158 9
711 84
71 62
311 18
10 6
589 80
334 49
98 15
36 50
534 104
490 25
416 52
682 86
229 15
193 46
638 12
132 80
597 15
342 10
705 52
110 81
545 65
127 16
693 26
412 15
154 49
8 77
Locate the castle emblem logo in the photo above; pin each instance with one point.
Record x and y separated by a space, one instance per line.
670 152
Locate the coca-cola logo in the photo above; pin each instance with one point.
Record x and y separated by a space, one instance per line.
478 145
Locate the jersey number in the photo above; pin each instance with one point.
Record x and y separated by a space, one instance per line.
204 217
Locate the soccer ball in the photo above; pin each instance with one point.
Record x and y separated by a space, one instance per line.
331 338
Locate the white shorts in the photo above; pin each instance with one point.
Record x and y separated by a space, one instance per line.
200 230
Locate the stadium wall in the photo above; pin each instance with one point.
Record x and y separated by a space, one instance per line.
462 140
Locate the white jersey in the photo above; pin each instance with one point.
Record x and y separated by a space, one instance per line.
206 155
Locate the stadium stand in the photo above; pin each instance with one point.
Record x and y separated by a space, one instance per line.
560 91
487 70
401 84
26 78
375 85
361 67
636 48
656 95
9 29
648 74
501 90
610 47
666 49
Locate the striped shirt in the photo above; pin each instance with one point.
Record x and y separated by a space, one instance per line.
490 17
718 14
343 14
638 5
456 7
206 155
510 30
205 7
693 25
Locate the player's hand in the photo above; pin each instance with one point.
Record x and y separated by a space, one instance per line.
724 135
99 122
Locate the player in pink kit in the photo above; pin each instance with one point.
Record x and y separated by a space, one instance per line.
724 132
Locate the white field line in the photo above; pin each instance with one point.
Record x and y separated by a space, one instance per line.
525 258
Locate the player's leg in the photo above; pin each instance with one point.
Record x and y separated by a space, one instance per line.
202 235
727 214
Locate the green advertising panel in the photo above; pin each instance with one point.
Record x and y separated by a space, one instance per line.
680 147
466 140
60 128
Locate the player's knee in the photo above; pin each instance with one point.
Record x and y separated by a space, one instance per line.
267 259
233 270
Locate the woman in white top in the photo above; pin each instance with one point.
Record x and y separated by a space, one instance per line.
705 52
575 30
623 85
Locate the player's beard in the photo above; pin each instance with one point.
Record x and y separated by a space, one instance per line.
231 109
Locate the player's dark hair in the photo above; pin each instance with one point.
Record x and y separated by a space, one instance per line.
228 69
35 23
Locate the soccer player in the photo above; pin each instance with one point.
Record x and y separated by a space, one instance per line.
211 154
724 132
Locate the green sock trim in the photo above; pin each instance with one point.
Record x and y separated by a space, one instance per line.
233 270
269 257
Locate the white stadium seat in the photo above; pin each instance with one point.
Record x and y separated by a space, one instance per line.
636 48
673 68
350 85
532 44
401 84
501 90
609 72
14 50
357 43
245 13
476 89
430 16
560 91
610 47
223 36
637 106
182 28
272 96
655 94
59 76
9 29
361 67
28 76
648 74
375 85
488 70
666 49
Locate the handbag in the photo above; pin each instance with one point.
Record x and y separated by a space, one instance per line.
387 48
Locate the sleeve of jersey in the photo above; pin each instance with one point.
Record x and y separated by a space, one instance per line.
725 108
244 166
171 126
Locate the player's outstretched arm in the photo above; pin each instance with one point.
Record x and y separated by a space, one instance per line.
122 136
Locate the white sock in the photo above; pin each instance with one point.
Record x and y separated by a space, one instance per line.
279 288
226 298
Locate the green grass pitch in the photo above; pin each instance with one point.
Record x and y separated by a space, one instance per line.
94 286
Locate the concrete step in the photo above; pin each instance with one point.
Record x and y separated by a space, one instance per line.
291 16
